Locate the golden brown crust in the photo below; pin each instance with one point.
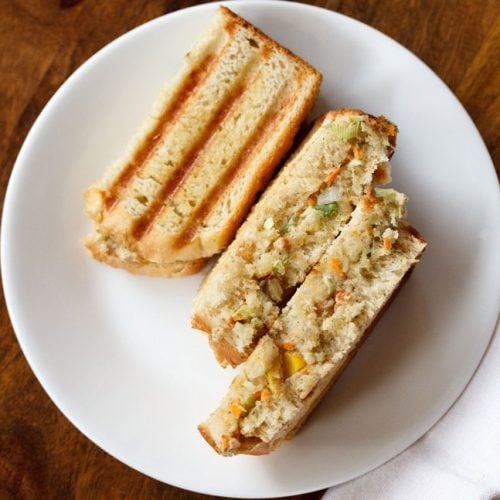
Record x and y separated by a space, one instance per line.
200 324
208 438
226 353
134 218
254 446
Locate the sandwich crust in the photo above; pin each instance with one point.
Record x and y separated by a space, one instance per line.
212 142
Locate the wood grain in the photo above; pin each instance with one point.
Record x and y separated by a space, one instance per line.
41 43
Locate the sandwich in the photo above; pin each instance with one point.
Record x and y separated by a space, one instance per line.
290 228
319 330
213 140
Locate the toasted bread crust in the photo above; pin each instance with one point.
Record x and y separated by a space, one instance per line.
194 170
226 353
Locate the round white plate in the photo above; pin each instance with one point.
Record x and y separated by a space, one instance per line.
116 352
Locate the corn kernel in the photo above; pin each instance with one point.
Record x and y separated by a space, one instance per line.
292 363
237 409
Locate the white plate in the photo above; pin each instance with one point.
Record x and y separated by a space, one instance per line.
116 353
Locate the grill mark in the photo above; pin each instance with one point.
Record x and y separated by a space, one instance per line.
144 225
193 80
251 147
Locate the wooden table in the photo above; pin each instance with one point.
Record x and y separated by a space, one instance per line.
42 42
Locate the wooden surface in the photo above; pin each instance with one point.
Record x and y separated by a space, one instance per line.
44 41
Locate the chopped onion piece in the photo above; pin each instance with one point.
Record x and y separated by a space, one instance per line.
328 195
354 163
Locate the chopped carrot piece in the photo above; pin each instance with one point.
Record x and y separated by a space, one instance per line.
330 178
237 409
311 201
336 265
265 394
387 243
358 152
341 295
288 346
370 198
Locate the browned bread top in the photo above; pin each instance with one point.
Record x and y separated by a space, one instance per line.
216 134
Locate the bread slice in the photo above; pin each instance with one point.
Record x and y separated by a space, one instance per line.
289 229
216 134
319 330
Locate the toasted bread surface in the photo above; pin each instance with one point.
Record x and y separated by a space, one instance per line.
216 134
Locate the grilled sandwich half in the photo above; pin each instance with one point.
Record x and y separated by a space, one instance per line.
289 229
216 134
319 330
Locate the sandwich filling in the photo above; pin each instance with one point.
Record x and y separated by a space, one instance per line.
319 329
290 228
